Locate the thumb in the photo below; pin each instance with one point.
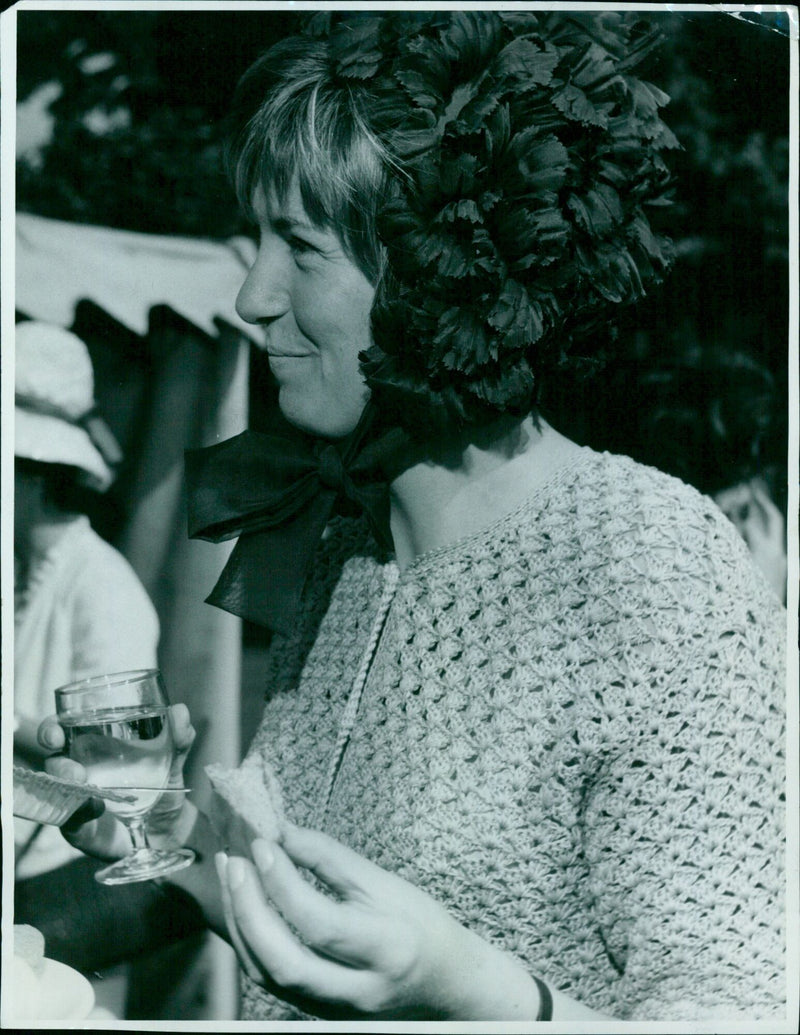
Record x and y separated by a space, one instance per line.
50 734
91 809
183 732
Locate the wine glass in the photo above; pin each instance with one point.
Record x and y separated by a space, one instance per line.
117 726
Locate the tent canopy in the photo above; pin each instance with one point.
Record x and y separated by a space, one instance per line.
58 264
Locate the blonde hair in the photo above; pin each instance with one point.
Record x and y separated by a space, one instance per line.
294 118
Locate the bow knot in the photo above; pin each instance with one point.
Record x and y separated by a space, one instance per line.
276 492
331 469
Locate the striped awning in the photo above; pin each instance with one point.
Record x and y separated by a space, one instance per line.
59 264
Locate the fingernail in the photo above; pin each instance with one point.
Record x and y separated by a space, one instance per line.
235 873
263 855
49 737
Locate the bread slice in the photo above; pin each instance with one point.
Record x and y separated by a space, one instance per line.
246 804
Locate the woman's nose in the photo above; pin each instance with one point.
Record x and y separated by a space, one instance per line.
263 296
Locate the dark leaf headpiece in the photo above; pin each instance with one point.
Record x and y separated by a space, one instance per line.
530 154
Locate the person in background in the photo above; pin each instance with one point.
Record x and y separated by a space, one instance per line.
751 508
79 608
711 417
527 715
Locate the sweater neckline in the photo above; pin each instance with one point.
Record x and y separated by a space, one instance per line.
429 558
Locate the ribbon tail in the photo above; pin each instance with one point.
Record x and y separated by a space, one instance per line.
265 574
375 501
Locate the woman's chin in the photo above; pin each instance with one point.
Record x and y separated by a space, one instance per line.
322 421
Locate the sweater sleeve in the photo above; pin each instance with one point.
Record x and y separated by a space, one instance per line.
684 821
115 626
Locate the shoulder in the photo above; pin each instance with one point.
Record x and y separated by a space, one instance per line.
112 623
102 560
626 512
105 581
640 552
610 485
664 568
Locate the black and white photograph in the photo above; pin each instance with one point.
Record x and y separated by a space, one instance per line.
401 480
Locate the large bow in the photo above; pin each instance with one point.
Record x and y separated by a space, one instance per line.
276 491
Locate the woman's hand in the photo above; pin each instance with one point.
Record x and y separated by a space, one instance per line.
379 948
26 743
98 832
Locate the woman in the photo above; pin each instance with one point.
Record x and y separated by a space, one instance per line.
79 607
526 714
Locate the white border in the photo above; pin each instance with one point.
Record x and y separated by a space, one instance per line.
388 5
8 99
7 236
793 552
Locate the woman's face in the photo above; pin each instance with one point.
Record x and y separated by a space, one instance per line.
313 303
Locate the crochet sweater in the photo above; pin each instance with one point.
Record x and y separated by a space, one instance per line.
570 733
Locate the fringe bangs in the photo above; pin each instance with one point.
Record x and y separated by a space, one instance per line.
308 130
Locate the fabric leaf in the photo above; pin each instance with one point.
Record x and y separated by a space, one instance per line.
574 103
524 59
465 208
541 161
419 87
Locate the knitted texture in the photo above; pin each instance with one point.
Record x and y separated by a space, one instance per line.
571 735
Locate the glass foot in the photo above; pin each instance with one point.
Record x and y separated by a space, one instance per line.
145 864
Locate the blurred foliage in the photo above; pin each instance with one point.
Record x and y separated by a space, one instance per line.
139 124
720 320
729 84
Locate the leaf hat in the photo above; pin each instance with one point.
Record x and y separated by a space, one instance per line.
526 154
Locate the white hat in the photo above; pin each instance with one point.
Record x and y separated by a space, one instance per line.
56 420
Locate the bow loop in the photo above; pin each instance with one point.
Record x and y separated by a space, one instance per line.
276 492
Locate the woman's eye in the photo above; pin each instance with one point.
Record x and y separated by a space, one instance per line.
299 246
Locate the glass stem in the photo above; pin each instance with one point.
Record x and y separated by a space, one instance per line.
138 835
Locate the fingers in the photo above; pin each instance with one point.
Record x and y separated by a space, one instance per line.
183 733
96 832
319 920
342 869
50 734
287 962
65 769
90 810
247 962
